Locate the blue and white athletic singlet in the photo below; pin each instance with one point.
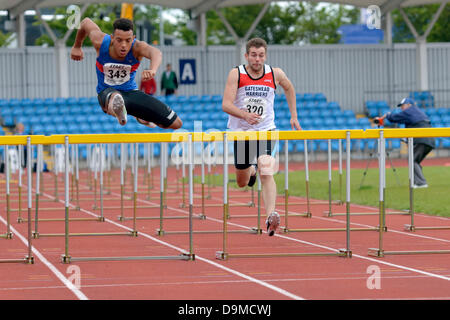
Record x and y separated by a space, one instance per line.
114 73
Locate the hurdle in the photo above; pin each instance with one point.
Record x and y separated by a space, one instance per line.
162 205
224 255
68 207
8 234
286 203
161 232
308 202
204 205
411 226
29 259
37 219
66 258
392 212
328 213
380 252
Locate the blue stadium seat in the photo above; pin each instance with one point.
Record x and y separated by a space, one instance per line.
322 145
182 99
322 105
372 109
205 98
351 121
371 144
71 101
395 144
435 119
310 106
216 98
308 97
73 128
446 119
39 129
442 111
446 143
332 105
320 97
299 146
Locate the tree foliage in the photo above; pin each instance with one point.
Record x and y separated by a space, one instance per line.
298 22
5 39
420 18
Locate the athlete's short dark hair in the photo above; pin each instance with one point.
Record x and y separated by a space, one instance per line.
123 24
257 43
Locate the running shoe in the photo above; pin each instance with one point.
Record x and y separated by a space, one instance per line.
117 108
252 179
272 223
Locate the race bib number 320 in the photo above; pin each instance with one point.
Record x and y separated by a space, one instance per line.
116 73
255 105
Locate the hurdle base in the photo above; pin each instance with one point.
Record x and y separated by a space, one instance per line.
287 230
375 252
27 260
7 235
328 214
253 230
414 228
220 255
200 216
65 259
183 256
344 253
37 235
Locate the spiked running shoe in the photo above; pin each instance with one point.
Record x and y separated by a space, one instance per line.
272 223
117 108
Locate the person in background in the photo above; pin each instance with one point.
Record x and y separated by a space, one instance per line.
412 117
169 81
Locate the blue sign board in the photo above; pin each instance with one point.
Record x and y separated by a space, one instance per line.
188 71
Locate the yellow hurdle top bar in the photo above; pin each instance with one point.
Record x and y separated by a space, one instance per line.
231 135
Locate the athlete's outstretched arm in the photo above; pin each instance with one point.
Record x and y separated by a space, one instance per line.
87 29
289 92
142 49
229 96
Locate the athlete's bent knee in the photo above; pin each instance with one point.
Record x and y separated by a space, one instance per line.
177 124
266 165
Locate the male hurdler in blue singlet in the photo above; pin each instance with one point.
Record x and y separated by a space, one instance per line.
118 58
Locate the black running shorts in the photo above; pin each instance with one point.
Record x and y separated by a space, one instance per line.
246 152
142 106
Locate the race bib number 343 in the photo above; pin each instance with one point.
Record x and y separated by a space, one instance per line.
116 73
255 105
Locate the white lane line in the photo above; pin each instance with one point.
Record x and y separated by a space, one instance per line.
80 295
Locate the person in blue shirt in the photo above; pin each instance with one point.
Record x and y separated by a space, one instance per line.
412 117
118 57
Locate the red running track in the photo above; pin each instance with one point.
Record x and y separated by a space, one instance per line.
206 278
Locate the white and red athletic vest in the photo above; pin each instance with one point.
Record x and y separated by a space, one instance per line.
257 96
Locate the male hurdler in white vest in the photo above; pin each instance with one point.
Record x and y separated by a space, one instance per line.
249 100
